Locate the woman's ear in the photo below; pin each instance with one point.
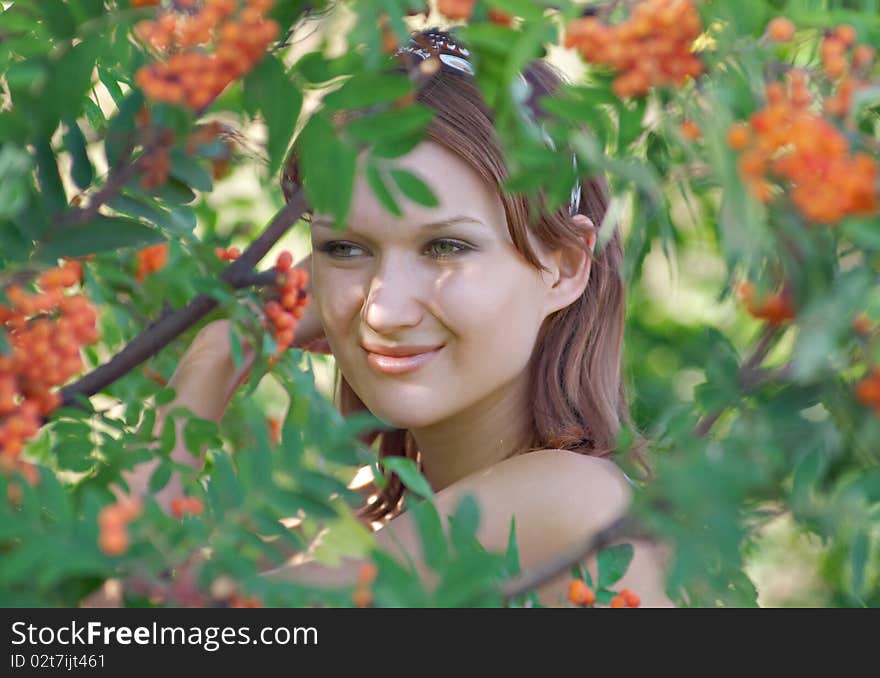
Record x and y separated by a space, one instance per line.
571 266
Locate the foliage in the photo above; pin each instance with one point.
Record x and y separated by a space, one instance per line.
755 377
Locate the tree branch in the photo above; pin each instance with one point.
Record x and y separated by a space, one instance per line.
748 376
239 274
625 526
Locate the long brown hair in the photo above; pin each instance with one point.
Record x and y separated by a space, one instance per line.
575 372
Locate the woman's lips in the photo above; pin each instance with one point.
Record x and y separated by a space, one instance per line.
387 364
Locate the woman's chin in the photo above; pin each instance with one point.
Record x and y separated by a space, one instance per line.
410 419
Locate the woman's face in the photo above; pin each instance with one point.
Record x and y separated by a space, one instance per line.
446 278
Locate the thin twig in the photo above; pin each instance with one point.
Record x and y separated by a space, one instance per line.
143 347
748 376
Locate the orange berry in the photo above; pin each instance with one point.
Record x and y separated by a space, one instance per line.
846 34
780 29
862 324
178 507
630 598
284 262
362 597
690 130
111 518
496 16
579 593
113 542
367 574
274 429
868 391
863 55
618 601
130 508
456 9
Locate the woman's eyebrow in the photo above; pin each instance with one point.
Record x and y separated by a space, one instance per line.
322 222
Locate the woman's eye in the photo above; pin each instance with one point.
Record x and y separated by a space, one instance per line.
334 246
445 248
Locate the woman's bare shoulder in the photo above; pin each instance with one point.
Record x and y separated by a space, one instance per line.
572 478
558 498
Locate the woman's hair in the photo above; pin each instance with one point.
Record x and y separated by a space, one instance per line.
575 377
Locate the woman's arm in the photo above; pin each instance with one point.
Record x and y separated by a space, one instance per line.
205 380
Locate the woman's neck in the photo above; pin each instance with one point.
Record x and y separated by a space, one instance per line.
491 430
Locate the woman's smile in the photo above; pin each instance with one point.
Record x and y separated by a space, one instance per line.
402 364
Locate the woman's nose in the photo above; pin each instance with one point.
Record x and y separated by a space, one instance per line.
393 299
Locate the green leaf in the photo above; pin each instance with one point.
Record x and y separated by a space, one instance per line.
527 9
74 454
48 178
70 79
328 168
102 234
863 233
368 89
613 563
377 184
512 554
81 171
316 68
109 81
59 19
270 89
235 346
198 432
410 475
380 128
463 523
431 535
190 171
164 396
630 121
15 167
604 596
121 129
414 188
859 552
160 476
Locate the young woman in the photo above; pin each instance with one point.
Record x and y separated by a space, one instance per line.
491 344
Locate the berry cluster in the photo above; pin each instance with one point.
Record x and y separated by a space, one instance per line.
362 596
788 143
113 522
45 332
625 598
583 596
227 254
150 259
651 48
850 75
776 308
207 48
293 298
868 389
181 506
